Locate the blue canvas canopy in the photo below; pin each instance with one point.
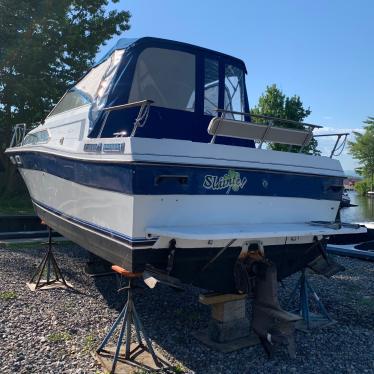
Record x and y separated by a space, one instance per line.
186 83
125 43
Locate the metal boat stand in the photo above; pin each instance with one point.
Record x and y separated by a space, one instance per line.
140 354
309 320
48 269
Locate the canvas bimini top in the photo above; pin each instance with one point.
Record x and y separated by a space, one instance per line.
186 84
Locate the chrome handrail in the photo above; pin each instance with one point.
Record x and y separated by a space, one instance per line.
140 119
337 147
341 147
19 132
270 124
271 118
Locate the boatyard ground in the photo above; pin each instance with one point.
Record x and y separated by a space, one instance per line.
55 331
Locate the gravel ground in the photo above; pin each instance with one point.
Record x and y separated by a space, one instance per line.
54 331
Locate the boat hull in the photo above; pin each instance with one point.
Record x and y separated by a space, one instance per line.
187 262
106 205
126 216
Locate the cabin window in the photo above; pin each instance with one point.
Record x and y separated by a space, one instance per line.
36 137
71 100
234 92
211 87
165 76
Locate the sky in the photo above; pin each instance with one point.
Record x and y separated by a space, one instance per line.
321 50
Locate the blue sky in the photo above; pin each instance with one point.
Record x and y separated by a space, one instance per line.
322 51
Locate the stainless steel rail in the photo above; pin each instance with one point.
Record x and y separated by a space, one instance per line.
276 119
140 119
337 147
340 148
19 132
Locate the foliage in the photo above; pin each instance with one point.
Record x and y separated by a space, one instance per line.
45 46
273 102
362 149
16 204
362 187
178 369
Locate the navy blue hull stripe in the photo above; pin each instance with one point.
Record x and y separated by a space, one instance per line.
132 242
167 179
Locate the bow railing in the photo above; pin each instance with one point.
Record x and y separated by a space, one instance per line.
19 132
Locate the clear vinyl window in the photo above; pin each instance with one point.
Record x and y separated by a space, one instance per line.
36 137
211 86
71 100
234 92
165 76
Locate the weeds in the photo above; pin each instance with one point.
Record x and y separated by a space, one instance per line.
178 369
8 295
57 337
89 343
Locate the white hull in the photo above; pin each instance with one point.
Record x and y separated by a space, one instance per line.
131 215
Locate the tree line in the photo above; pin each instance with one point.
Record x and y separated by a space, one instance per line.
46 46
362 149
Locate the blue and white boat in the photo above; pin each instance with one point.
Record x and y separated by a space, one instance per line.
153 161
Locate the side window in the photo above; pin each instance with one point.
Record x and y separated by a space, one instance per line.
71 100
211 86
165 76
36 137
234 92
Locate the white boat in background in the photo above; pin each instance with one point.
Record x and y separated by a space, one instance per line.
137 165
346 200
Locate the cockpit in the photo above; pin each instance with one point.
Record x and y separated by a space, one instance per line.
185 83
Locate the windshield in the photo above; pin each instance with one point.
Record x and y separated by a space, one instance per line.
72 99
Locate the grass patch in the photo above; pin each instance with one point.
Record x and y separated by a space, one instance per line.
27 245
37 244
19 204
8 295
178 369
89 343
57 337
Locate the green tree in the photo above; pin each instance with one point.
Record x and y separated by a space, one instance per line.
362 149
45 46
273 102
